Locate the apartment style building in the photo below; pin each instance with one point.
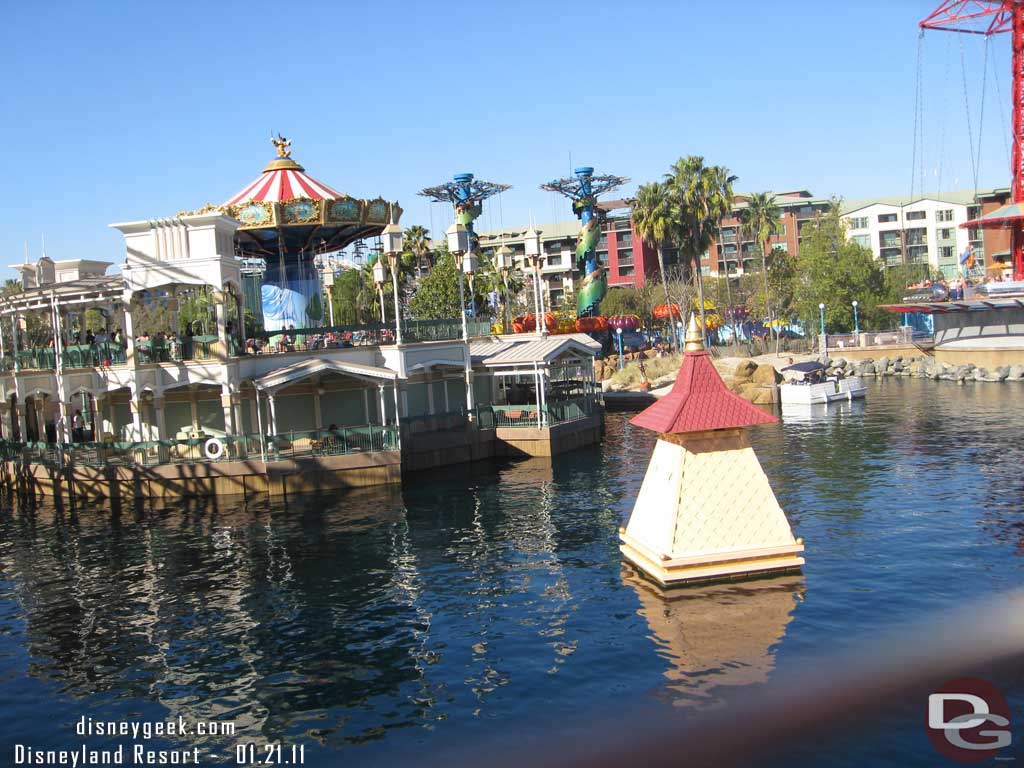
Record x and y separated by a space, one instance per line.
925 230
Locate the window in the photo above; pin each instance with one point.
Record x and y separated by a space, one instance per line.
944 215
625 238
889 239
603 242
625 257
917 236
556 296
555 260
625 271
885 218
945 234
602 258
727 250
864 241
860 222
782 246
622 224
915 215
947 252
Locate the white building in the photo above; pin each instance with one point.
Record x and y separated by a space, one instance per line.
925 230
558 259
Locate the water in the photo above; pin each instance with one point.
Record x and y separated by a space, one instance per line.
482 603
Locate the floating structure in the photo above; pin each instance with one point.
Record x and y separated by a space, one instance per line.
705 510
97 400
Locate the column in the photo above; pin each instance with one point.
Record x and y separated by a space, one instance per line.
383 408
22 424
240 304
136 408
243 446
272 414
221 312
229 411
430 392
161 428
194 406
469 378
129 334
318 420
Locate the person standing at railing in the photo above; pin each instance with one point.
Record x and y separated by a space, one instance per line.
77 427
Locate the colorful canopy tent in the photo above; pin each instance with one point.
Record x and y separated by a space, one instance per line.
287 218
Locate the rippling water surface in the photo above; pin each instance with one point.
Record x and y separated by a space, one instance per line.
482 602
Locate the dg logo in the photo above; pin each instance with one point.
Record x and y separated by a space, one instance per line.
968 720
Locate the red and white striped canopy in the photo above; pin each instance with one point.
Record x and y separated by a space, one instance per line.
284 179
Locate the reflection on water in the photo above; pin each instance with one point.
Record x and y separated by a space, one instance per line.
482 601
716 635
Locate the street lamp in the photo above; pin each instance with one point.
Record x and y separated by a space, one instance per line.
821 307
470 266
618 335
503 257
856 320
329 285
531 242
392 240
458 244
679 334
379 278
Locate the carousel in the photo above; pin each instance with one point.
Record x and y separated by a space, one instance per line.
286 219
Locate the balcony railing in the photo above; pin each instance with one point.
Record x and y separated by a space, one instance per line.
286 445
558 412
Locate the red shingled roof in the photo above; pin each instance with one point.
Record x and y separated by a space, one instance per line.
699 401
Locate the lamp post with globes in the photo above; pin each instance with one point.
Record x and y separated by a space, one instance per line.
504 261
379 278
392 240
470 266
458 244
856 319
618 335
531 242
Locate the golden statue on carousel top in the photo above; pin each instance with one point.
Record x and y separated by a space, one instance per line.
282 145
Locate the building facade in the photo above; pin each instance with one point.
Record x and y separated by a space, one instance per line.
923 231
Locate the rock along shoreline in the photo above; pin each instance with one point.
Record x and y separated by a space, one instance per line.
921 367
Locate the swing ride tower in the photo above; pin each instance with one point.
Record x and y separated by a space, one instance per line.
991 17
467 194
583 188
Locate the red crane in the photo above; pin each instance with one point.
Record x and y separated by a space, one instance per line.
990 17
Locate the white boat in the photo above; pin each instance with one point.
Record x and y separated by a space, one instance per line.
810 390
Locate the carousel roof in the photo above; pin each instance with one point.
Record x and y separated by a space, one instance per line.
287 211
284 179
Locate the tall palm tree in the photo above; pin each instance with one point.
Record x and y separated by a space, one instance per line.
652 220
701 196
417 243
760 219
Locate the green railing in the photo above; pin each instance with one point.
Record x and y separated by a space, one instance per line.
303 339
293 444
556 412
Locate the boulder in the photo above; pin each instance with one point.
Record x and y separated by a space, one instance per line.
764 396
745 370
840 362
766 374
867 369
748 390
1016 373
882 363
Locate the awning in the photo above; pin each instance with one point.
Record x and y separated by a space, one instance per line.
531 349
1001 217
310 367
943 307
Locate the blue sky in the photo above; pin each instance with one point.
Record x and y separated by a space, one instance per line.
121 111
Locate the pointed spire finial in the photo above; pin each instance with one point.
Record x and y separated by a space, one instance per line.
694 338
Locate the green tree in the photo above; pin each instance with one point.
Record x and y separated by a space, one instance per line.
835 272
701 196
652 219
416 239
622 301
760 220
437 295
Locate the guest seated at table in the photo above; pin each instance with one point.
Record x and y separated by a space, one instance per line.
251 348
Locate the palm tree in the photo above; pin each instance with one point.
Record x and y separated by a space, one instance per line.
417 243
652 219
701 196
760 219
